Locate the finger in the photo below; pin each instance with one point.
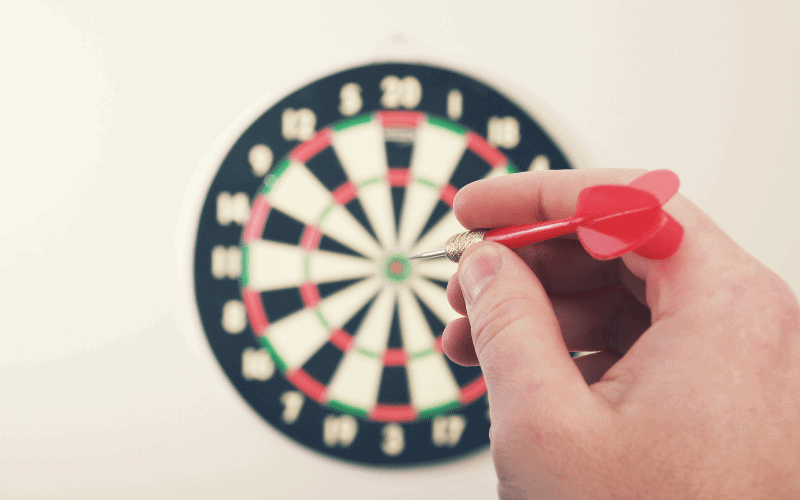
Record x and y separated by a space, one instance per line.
608 319
562 267
457 343
530 196
707 261
517 339
455 297
458 347
561 264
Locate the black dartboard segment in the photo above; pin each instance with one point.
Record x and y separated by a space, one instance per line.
302 278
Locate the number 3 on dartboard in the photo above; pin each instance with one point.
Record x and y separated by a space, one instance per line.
350 101
393 440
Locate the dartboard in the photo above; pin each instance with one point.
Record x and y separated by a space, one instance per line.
302 279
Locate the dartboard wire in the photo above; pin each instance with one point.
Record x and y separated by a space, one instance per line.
359 146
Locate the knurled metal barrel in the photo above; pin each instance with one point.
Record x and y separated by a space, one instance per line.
458 243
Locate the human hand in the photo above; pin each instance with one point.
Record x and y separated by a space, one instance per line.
702 401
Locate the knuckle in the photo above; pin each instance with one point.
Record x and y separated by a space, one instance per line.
737 291
494 319
761 305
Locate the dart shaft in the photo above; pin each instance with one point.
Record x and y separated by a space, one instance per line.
528 234
512 237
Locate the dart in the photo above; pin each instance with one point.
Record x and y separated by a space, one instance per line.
610 220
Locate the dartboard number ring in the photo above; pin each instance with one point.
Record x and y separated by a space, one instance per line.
302 279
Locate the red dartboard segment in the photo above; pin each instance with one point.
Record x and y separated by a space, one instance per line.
341 339
439 346
472 391
448 194
310 238
398 177
310 148
310 294
395 357
345 193
258 217
308 384
400 119
482 148
393 413
255 311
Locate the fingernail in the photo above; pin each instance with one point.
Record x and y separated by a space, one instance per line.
478 270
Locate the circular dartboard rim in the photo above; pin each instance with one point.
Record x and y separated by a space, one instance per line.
198 192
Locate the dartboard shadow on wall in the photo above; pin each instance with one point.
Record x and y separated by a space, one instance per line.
302 279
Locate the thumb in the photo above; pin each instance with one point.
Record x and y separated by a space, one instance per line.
526 365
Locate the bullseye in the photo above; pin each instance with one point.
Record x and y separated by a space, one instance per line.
397 268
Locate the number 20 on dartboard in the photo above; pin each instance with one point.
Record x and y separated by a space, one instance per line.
302 279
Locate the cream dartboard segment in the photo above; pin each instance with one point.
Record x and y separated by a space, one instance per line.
302 278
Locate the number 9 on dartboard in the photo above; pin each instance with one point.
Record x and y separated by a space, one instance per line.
302 279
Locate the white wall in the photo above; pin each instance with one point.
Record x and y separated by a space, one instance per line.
107 110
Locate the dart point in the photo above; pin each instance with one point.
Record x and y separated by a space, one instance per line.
433 254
